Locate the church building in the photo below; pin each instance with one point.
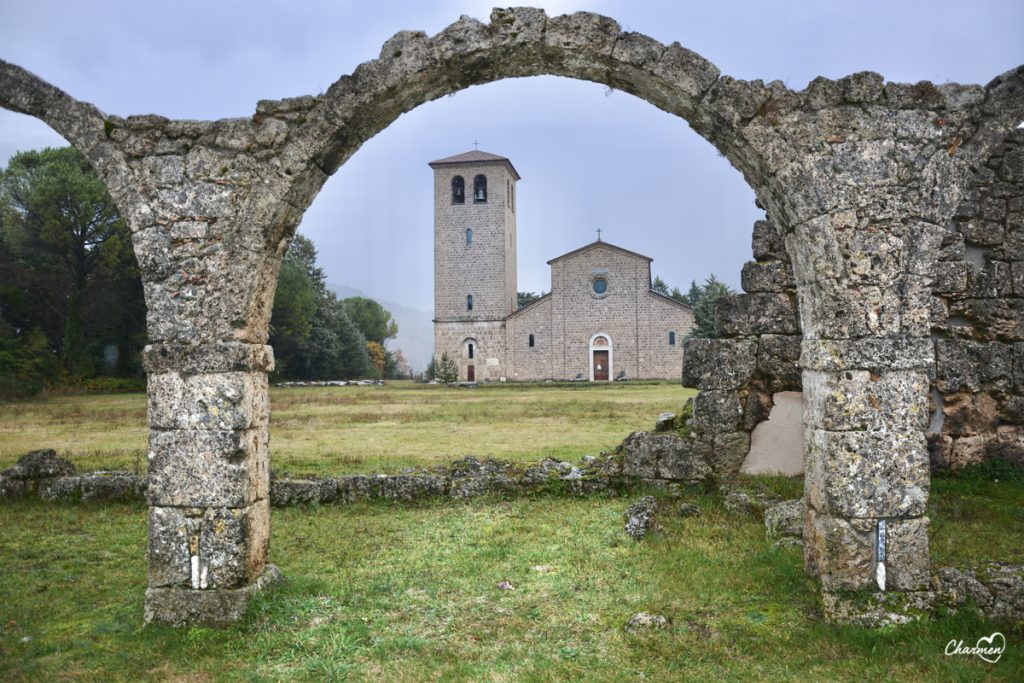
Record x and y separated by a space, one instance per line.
600 321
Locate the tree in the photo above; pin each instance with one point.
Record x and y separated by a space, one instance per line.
295 305
446 370
312 335
704 308
524 298
659 286
372 319
69 258
378 357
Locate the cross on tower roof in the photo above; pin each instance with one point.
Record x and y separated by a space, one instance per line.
599 234
476 144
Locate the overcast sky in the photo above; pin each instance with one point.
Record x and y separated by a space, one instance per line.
589 158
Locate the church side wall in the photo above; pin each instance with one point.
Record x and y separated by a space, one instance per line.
658 358
526 363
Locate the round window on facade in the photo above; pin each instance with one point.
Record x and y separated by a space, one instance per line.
599 285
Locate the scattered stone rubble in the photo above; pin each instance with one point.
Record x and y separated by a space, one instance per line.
646 621
640 517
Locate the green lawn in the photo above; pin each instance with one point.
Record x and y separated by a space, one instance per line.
409 593
334 430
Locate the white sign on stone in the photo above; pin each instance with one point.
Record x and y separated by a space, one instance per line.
493 361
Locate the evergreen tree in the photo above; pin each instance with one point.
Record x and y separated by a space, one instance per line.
659 286
446 370
704 309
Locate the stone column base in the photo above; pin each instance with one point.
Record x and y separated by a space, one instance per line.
874 609
214 607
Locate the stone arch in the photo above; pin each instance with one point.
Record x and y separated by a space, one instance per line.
858 177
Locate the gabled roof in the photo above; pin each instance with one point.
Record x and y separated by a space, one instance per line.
596 244
474 156
533 303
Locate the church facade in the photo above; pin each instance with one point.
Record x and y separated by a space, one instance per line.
600 321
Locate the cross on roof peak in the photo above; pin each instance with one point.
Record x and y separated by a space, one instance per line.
599 234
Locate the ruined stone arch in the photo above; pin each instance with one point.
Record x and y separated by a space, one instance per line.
859 177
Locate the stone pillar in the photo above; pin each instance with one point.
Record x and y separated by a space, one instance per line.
866 460
209 517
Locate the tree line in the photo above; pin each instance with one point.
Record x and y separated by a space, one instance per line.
72 310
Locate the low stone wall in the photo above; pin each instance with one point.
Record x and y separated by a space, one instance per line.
649 458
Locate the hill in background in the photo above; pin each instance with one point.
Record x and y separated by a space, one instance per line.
415 327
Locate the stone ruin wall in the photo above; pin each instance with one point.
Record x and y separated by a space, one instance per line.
978 319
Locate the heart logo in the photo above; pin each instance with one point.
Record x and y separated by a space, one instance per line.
994 644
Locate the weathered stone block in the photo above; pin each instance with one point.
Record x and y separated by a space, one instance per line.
39 465
835 311
863 400
61 489
785 518
718 363
834 355
206 468
289 492
717 411
218 607
867 474
12 489
841 552
767 243
778 360
769 276
355 488
749 314
212 402
967 414
112 486
410 487
970 365
219 356
837 553
230 544
663 455
728 453
907 561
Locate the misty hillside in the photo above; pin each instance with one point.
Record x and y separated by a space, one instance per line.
415 327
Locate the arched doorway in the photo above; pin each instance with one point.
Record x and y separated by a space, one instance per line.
601 358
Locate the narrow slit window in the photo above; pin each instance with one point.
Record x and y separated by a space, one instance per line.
480 189
469 236
458 190
531 341
469 348
469 302
671 338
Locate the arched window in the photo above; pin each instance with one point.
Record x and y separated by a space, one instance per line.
480 189
469 350
469 302
458 190
531 341
469 236
671 338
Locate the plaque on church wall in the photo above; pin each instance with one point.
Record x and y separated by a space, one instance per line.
493 361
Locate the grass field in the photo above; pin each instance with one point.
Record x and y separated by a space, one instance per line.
409 592
334 430
383 592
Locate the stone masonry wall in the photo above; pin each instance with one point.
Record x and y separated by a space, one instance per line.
978 319
754 355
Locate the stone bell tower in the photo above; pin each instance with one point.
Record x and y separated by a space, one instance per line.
474 260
